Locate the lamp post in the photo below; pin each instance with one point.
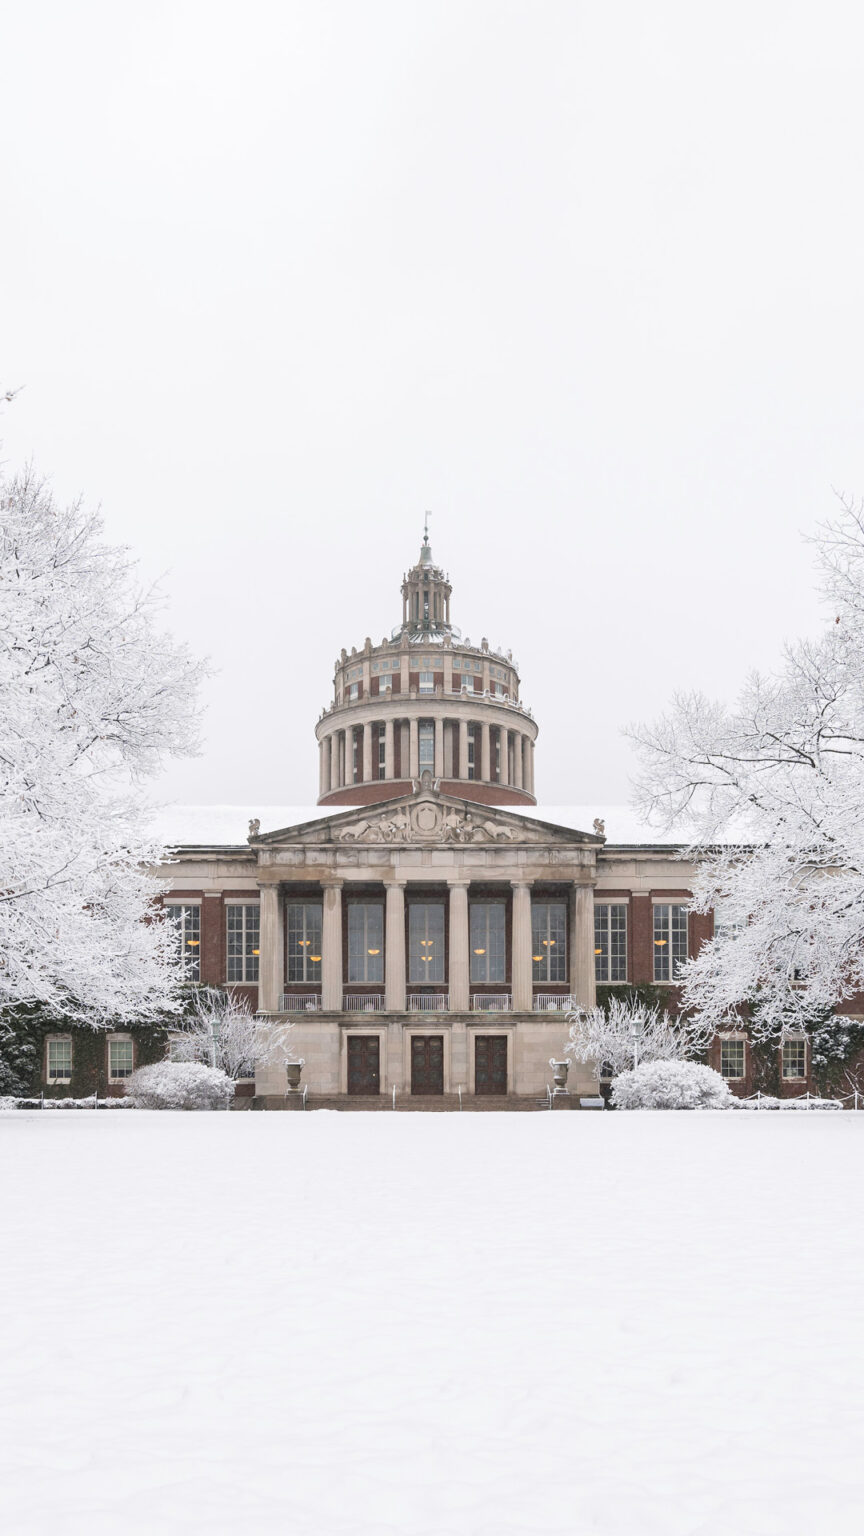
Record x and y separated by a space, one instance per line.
636 1035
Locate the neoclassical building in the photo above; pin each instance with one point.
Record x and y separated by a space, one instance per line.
427 931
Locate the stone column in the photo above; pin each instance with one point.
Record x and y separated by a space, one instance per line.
413 749
517 760
583 986
526 764
463 749
485 754
389 757
322 781
394 947
504 738
459 971
367 752
520 971
439 749
270 959
331 968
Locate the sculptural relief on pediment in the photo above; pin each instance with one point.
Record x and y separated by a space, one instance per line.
433 822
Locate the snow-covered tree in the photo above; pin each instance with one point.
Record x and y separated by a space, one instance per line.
770 793
611 1039
180 1085
221 1031
93 697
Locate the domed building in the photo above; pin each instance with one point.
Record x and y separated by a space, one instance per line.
425 928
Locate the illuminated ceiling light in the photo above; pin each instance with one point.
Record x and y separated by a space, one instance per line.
315 957
659 943
536 957
193 943
373 951
479 951
256 951
598 951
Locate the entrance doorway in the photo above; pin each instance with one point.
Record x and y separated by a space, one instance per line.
427 1064
490 1064
364 1064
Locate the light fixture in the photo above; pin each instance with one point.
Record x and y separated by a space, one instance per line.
315 957
193 943
425 959
536 957
659 943
479 951
598 951
256 951
373 951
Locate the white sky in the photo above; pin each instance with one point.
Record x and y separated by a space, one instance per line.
584 279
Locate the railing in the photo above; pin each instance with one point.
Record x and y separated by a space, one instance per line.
552 1002
413 694
363 1002
429 1002
300 1002
491 1002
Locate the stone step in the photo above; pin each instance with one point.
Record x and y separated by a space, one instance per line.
427 1103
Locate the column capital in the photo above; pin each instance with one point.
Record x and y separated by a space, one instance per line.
521 885
395 880
272 884
332 882
458 880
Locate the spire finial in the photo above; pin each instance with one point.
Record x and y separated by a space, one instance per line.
426 527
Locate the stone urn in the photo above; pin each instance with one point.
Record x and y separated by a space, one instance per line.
559 1070
293 1069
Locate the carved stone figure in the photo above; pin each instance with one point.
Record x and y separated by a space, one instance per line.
599 827
254 827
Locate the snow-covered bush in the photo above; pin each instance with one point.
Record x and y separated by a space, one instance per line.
768 1101
625 1029
222 1031
670 1085
179 1085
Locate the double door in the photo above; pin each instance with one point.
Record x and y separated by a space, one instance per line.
490 1064
364 1064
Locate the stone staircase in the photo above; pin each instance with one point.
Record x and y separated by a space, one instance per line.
429 1104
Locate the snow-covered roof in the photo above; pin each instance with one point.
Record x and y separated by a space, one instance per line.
228 825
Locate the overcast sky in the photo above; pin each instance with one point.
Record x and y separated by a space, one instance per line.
584 279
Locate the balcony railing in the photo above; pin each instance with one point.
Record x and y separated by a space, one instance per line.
491 1002
301 1002
363 1002
429 1002
552 1002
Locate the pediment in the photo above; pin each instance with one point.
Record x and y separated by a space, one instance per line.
426 819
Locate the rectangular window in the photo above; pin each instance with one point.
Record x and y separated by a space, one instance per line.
456 681
794 1058
472 754
610 941
427 682
303 924
243 941
488 931
496 757
549 940
187 924
365 941
670 941
59 1061
732 1059
426 744
382 758
426 941
355 757
354 691
120 1062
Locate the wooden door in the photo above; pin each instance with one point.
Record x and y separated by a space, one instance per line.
427 1064
364 1073
490 1064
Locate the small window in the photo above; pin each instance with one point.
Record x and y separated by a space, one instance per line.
427 682
354 691
243 942
59 1061
732 1058
795 1058
120 1054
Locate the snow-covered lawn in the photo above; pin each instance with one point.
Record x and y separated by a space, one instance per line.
404 1324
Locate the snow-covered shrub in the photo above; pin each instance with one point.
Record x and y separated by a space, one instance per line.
670 1085
179 1085
768 1101
607 1036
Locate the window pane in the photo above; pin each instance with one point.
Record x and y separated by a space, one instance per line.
670 941
119 1058
365 941
243 936
794 1058
426 743
59 1059
488 941
732 1058
610 941
304 921
187 924
426 941
427 682
549 940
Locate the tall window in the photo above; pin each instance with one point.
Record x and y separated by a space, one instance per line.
795 1058
244 929
488 937
354 691
59 1061
303 921
355 757
549 940
187 925
382 758
426 941
610 941
732 1059
670 941
472 753
365 941
496 757
427 682
426 743
120 1059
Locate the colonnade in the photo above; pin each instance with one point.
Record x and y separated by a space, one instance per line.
501 755
580 945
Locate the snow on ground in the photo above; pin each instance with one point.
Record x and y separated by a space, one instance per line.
416 1325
